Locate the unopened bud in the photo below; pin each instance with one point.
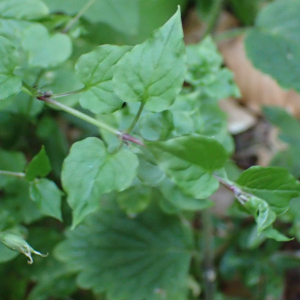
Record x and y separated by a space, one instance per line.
16 243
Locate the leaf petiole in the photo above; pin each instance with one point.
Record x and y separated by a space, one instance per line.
69 93
15 174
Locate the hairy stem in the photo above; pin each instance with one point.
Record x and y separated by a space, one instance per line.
136 117
80 115
15 174
78 16
98 123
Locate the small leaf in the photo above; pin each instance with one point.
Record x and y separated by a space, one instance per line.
95 69
130 258
272 233
44 50
23 9
153 72
90 171
179 200
190 161
274 185
9 83
39 166
273 45
47 197
263 214
156 126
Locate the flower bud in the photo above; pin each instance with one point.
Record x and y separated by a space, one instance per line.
16 243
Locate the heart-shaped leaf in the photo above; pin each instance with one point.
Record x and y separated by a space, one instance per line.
45 50
130 258
90 171
95 69
153 72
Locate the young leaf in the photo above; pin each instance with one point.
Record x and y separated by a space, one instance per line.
47 197
274 185
95 69
263 214
272 233
274 44
45 50
9 83
39 166
23 9
130 258
190 161
153 72
90 171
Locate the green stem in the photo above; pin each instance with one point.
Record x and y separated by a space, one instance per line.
215 11
15 174
208 255
229 34
81 115
69 93
38 78
26 88
77 17
136 117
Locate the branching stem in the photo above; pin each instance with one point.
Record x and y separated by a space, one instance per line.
82 116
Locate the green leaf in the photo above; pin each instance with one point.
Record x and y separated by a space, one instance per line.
47 197
190 161
6 254
39 166
148 172
130 258
205 71
9 83
156 126
95 69
90 171
153 72
274 185
17 201
135 199
123 16
10 161
263 214
23 9
180 201
246 10
288 125
273 45
44 50
272 233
